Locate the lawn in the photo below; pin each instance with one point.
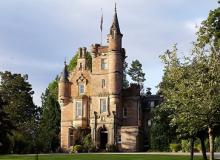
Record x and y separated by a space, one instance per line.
96 157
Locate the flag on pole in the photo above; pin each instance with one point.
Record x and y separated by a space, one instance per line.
101 22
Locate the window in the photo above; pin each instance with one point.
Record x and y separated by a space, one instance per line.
78 109
125 112
104 64
103 105
81 89
103 83
71 136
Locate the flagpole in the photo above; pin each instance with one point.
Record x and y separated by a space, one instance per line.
101 37
101 25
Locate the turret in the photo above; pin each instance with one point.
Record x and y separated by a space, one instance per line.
115 36
116 57
64 86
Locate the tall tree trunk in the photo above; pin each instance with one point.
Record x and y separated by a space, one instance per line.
191 148
211 143
202 140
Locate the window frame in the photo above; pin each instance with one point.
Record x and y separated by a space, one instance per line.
79 88
104 63
101 105
77 109
71 136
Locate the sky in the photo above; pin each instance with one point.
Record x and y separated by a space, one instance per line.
36 36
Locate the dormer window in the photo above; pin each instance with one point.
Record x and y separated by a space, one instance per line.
81 89
104 63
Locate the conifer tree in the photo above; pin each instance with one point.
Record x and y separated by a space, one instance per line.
136 72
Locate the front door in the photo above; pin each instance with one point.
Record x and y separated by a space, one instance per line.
103 138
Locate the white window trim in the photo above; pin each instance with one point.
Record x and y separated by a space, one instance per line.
77 108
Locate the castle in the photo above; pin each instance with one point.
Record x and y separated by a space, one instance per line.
93 101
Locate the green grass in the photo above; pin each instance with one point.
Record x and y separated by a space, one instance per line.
96 157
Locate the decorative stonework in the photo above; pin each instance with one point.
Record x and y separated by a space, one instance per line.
82 79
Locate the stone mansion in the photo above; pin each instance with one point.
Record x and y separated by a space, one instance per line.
92 99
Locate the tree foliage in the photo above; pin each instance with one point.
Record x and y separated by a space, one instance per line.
162 134
136 72
16 95
209 31
125 83
73 61
49 130
191 90
6 127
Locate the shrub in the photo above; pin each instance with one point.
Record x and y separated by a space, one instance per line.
174 147
197 148
77 148
87 142
185 145
111 148
92 148
217 144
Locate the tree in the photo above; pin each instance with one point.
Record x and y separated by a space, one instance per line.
73 61
49 129
137 75
6 127
17 94
209 31
208 39
162 134
125 83
193 91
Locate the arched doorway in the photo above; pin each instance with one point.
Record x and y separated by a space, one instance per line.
103 137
